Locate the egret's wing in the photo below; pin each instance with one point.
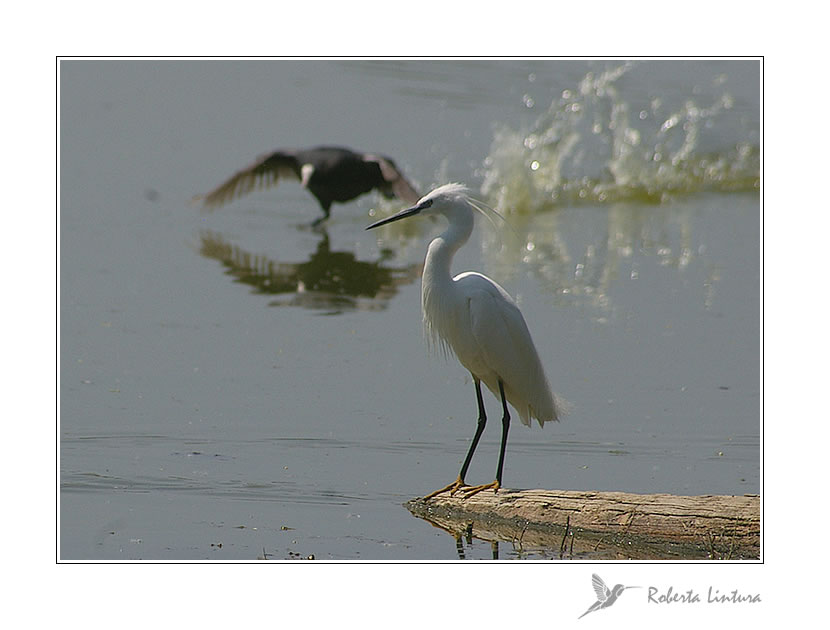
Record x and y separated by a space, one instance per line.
506 346
600 588
400 186
266 171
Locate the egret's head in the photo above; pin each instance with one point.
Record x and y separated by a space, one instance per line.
446 195
451 200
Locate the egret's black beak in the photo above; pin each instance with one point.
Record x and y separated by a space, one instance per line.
402 214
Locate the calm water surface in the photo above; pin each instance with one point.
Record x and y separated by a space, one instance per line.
237 385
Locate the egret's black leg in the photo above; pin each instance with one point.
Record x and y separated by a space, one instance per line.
482 421
505 426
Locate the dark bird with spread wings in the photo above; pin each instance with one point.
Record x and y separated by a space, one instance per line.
331 174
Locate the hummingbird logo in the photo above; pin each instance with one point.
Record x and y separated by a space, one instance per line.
605 596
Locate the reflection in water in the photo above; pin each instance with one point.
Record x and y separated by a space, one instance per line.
467 536
330 281
589 251
468 546
459 546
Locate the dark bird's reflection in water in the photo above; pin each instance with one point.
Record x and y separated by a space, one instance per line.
329 281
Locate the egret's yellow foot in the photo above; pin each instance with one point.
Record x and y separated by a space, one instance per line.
470 491
452 488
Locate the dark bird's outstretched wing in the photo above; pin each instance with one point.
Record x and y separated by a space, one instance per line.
397 183
266 171
600 588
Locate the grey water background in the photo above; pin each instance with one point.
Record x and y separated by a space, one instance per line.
237 385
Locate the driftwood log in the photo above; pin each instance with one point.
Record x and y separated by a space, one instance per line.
603 525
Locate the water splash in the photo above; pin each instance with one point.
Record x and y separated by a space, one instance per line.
590 146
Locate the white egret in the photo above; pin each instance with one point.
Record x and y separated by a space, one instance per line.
478 321
329 173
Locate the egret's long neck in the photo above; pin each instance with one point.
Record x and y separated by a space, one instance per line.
442 249
438 300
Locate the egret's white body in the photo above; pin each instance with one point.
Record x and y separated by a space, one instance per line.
474 318
478 320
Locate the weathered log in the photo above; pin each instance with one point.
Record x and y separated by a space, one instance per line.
601 525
